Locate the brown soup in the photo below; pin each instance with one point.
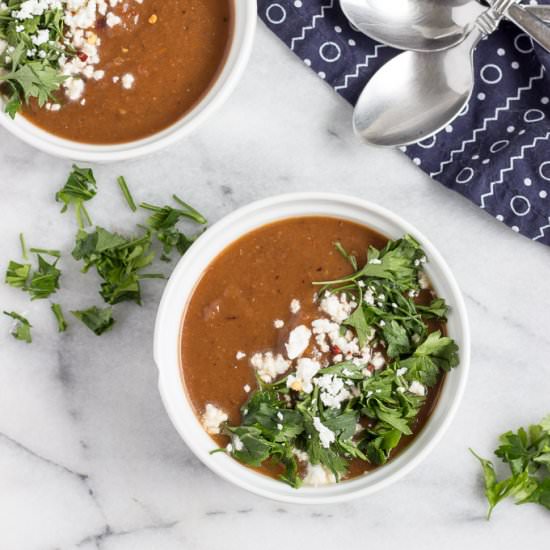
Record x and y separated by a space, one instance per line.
173 49
248 286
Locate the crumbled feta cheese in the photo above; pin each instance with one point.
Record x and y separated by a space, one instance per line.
317 474
378 361
295 306
423 280
278 323
326 436
305 371
402 371
237 443
246 388
337 308
302 456
269 366
240 355
298 341
213 418
113 20
333 392
417 388
128 81
375 261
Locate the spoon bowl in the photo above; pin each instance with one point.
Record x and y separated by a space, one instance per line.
416 94
419 25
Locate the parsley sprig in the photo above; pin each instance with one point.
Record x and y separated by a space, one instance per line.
28 70
527 454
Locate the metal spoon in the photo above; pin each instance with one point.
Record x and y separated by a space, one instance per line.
417 94
434 25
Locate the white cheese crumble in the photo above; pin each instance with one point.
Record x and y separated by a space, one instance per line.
423 280
333 392
240 355
298 341
295 306
128 81
317 474
337 308
301 380
378 361
269 366
213 418
278 323
246 388
416 388
113 20
326 436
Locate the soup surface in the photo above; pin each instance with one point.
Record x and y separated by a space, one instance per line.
242 306
158 62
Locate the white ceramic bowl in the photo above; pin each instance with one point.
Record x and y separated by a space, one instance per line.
182 284
241 46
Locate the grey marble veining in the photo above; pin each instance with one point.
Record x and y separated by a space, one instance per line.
88 458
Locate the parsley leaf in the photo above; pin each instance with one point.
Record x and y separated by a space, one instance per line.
527 454
163 222
22 327
96 319
126 192
59 317
118 260
79 188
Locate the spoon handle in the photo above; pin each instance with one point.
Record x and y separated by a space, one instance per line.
536 28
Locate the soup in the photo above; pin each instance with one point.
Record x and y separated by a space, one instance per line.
157 59
257 325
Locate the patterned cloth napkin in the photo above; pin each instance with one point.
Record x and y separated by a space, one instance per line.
497 153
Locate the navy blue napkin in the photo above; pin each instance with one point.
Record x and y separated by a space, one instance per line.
497 153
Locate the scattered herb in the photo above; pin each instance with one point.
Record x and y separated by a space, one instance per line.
29 68
40 283
118 261
80 187
23 246
163 222
279 422
126 192
22 329
96 319
59 317
527 454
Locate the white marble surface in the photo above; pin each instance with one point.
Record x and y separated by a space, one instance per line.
88 458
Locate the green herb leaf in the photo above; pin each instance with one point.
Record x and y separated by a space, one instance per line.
17 274
126 192
96 319
59 317
80 187
22 329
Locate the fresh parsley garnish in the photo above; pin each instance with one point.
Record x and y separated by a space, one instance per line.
59 317
22 328
527 454
29 68
96 319
279 423
79 188
163 222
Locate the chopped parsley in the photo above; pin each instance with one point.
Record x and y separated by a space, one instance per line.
96 319
22 327
527 454
79 188
126 192
163 222
59 317
376 407
41 282
32 45
118 261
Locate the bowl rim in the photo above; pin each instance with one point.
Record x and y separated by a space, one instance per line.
221 88
178 405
